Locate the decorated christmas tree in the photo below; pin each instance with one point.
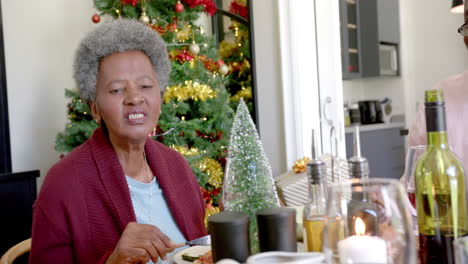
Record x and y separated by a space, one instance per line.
248 183
195 115
235 52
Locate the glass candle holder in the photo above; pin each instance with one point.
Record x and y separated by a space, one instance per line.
460 246
368 221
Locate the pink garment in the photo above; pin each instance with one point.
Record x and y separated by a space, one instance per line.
456 104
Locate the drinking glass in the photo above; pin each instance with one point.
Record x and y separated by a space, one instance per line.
460 245
408 180
412 156
368 221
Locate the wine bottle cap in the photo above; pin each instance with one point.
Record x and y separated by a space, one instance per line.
277 229
229 230
436 95
315 168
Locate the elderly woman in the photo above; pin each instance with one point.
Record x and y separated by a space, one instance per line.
120 197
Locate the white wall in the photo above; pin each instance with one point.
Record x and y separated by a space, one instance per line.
376 89
40 38
431 50
269 101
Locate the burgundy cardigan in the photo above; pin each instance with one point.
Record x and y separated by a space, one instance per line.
84 204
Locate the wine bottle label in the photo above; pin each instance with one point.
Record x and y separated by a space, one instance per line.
435 116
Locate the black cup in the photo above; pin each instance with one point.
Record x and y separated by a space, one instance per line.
277 229
229 236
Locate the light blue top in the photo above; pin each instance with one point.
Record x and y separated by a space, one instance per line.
155 211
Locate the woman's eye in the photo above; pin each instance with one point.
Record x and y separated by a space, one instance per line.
115 91
147 86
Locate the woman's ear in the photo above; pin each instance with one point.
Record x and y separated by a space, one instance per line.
95 112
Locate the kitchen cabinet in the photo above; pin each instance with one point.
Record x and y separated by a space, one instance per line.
388 21
364 25
384 148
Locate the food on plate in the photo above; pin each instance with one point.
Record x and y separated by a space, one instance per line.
205 259
190 258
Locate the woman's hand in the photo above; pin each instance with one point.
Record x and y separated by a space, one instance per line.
140 243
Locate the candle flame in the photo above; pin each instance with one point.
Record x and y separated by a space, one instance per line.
359 227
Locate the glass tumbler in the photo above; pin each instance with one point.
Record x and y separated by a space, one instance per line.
368 221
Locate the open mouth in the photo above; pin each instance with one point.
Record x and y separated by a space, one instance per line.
136 117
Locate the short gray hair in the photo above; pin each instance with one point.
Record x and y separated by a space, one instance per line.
120 35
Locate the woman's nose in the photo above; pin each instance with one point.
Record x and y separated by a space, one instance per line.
134 97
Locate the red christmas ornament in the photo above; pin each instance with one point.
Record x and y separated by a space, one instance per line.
179 7
129 2
220 62
96 18
172 26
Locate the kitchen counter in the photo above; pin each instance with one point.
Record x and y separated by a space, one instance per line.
373 127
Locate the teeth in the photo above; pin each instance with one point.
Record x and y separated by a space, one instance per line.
135 116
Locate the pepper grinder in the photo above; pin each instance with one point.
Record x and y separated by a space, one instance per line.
229 236
277 229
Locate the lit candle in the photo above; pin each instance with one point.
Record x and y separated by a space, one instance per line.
361 248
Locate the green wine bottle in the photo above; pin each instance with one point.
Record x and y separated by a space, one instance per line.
440 189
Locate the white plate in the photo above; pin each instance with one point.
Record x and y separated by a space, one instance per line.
193 251
286 257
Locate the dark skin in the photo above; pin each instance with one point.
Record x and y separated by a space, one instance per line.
128 101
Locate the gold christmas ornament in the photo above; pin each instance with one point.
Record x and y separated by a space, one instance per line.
210 210
189 90
245 92
192 64
214 171
184 34
300 165
227 49
144 18
194 48
186 152
246 63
